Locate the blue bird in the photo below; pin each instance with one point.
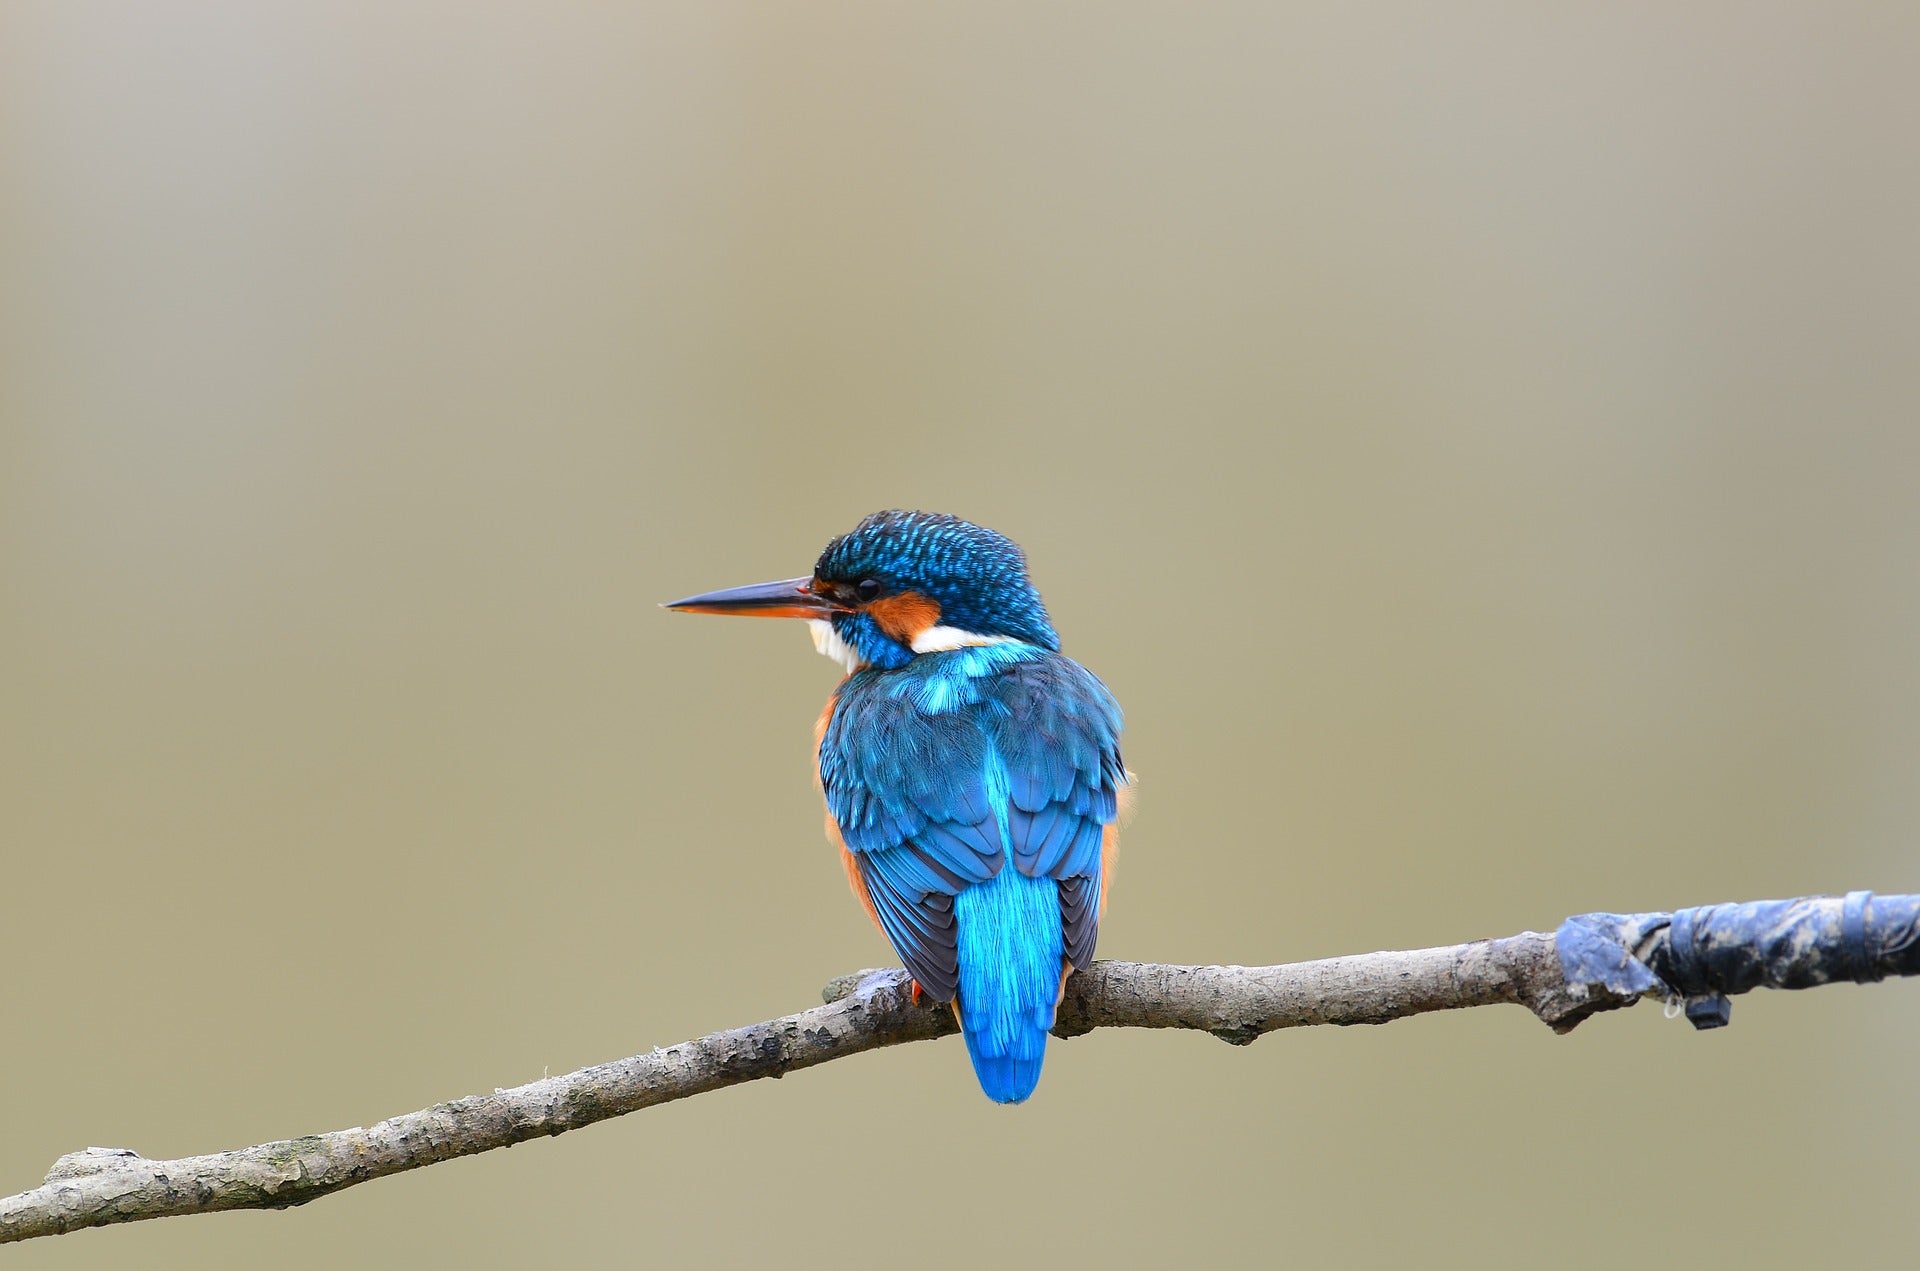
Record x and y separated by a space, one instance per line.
971 771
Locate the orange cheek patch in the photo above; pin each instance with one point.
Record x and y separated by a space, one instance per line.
906 615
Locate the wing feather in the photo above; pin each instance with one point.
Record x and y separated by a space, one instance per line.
908 779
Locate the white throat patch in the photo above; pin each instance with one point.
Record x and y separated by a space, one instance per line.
827 641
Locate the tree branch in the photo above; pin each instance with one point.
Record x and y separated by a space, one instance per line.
1595 962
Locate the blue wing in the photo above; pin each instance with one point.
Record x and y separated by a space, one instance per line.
1057 732
938 773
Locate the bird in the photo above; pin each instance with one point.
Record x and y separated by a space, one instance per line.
971 771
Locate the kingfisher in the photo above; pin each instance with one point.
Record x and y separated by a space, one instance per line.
971 771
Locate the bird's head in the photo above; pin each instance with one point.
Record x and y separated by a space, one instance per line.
900 584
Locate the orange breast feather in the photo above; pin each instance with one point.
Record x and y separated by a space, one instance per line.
847 862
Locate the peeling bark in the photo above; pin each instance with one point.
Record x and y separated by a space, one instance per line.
871 1009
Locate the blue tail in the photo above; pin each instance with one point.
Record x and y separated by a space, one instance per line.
1010 957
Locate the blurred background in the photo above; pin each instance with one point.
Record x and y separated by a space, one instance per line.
1477 443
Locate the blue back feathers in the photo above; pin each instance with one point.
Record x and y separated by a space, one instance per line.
973 786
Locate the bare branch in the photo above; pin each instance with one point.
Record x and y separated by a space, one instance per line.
1549 976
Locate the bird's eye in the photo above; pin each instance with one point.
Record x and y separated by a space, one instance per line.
867 588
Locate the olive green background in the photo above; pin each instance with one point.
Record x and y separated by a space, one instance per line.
1478 443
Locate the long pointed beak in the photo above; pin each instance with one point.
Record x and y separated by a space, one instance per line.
788 598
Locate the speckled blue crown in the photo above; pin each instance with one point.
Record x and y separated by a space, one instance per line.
978 577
